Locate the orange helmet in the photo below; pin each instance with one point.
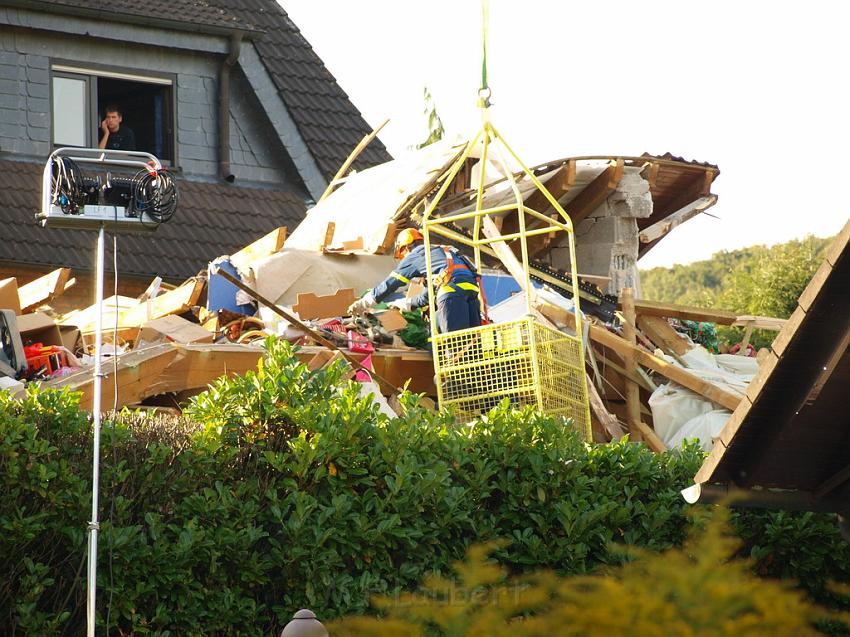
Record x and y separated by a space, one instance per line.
405 239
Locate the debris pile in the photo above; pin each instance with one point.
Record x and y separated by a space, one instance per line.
645 375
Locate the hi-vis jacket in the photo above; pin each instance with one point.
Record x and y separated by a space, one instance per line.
453 274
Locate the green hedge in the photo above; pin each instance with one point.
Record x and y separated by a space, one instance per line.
285 490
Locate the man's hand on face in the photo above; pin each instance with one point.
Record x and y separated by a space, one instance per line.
104 128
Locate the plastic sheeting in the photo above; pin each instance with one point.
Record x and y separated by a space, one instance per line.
678 414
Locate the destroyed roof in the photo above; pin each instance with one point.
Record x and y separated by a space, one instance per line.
212 219
792 431
329 123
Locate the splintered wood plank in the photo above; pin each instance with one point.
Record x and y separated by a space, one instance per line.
312 306
388 242
678 375
760 322
44 289
659 331
347 246
329 234
262 247
606 419
176 301
137 370
644 307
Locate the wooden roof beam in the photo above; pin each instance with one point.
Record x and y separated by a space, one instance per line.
596 192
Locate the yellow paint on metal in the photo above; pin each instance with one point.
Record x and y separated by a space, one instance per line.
524 361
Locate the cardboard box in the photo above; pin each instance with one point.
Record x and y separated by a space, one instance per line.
70 335
38 327
9 297
174 329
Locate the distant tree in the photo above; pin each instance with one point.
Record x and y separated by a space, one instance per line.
436 132
775 280
756 280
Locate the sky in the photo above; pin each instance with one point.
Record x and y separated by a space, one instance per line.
759 88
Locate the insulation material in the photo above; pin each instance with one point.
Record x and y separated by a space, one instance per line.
371 390
672 406
368 200
705 427
679 414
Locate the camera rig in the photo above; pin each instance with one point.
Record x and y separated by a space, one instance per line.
127 191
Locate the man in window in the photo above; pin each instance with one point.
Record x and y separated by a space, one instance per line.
114 136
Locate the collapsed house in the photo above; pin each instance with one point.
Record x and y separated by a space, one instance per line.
645 377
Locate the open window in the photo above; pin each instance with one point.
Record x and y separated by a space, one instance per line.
81 95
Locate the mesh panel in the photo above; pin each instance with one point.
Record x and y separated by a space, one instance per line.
523 361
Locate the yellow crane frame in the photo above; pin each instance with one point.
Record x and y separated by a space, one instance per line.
524 360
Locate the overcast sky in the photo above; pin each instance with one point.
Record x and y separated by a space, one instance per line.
760 88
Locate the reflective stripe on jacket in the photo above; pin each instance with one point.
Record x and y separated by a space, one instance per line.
413 265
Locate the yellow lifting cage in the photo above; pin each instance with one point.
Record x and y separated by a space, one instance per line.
523 360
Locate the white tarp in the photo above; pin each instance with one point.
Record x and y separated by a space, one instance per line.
679 414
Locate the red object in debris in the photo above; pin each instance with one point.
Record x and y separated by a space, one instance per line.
751 351
359 343
362 376
333 326
50 358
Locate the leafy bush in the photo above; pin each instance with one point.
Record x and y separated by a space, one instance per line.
286 490
696 590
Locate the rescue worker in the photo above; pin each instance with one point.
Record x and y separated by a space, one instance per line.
455 282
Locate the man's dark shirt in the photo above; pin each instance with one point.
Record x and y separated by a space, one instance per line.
122 139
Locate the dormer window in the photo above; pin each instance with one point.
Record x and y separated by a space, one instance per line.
81 95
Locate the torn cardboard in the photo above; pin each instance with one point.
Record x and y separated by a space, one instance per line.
172 329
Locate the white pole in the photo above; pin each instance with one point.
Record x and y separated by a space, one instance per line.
91 582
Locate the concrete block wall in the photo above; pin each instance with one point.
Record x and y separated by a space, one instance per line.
607 240
25 107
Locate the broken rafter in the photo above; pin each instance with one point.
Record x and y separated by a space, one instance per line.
678 375
644 307
595 193
660 229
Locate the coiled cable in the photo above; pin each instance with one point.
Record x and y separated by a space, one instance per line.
154 194
68 186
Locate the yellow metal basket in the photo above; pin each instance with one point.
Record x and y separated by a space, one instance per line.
523 361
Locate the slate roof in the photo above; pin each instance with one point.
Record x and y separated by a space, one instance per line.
211 220
329 123
195 13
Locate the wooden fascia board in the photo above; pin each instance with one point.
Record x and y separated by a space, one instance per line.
698 186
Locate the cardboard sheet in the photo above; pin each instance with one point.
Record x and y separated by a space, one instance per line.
282 276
